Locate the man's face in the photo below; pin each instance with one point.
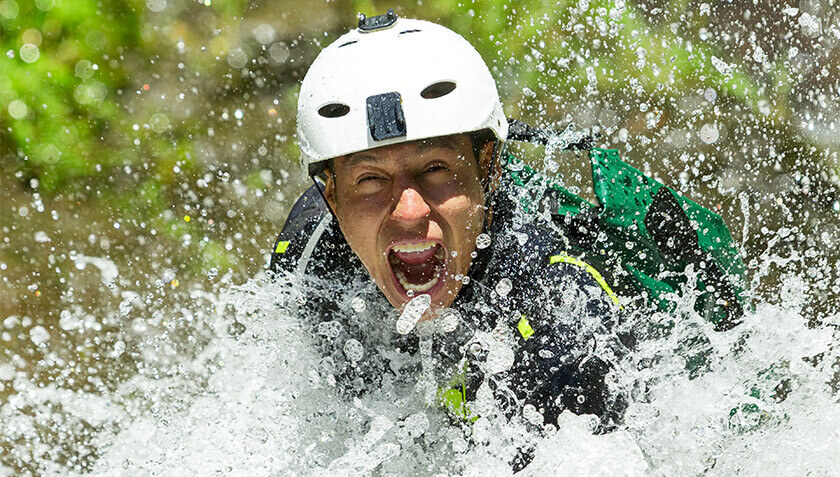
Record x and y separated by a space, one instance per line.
411 212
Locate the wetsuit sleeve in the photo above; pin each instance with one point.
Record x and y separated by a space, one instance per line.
301 224
564 361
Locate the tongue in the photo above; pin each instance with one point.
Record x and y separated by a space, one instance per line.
419 273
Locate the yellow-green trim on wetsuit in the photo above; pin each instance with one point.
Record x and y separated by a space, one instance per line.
524 328
565 258
282 246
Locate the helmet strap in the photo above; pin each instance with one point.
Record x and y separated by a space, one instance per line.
491 180
321 189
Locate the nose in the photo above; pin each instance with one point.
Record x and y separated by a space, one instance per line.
411 207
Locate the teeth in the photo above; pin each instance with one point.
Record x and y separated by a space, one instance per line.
414 247
417 288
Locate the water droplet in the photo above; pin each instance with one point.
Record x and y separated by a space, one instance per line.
9 9
709 133
41 237
29 53
482 241
530 413
156 5
330 329
448 320
18 109
504 287
499 358
412 313
39 335
358 304
354 350
237 58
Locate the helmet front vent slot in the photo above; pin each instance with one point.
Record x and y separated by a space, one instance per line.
438 89
348 43
409 31
334 110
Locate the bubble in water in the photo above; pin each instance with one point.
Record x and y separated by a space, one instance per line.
810 25
504 287
358 304
330 329
119 349
482 241
412 313
139 325
84 69
353 350
29 53
551 165
39 335
41 237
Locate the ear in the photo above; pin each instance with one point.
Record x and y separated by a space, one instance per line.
329 188
490 169
485 157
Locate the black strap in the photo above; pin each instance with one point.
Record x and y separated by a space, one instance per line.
519 131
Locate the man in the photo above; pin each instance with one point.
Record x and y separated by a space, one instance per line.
400 124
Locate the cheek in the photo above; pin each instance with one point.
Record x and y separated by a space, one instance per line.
355 226
464 208
465 218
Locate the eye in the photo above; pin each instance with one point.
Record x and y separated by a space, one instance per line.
366 178
435 168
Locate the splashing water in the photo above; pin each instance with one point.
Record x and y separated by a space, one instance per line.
700 402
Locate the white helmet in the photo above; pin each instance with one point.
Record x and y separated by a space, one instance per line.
393 80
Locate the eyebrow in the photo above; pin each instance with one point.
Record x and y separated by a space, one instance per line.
423 145
358 158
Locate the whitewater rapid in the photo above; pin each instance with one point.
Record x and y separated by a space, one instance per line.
258 400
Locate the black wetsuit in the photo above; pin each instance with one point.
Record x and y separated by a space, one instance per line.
561 352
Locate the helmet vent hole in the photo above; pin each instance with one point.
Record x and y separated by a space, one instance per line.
437 90
334 110
409 31
348 43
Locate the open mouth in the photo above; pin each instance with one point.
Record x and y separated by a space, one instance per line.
417 267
